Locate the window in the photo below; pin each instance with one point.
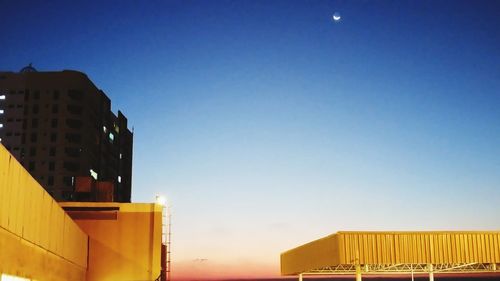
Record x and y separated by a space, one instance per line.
74 109
71 166
74 138
72 151
111 137
55 108
75 94
34 123
1 111
2 97
73 123
51 166
50 180
93 174
56 95
33 151
52 151
37 95
53 137
68 181
119 179
1 125
31 166
54 123
35 109
33 137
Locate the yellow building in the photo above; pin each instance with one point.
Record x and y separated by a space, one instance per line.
91 241
125 239
360 253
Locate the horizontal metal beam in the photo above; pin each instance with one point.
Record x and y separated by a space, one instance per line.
406 268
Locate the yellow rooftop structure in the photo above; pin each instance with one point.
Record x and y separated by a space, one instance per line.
125 239
370 252
41 239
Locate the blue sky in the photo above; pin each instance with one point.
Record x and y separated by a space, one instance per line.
268 125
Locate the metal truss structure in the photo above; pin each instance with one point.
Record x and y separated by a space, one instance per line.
399 269
406 268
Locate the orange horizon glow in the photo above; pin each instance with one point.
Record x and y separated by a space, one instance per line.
191 270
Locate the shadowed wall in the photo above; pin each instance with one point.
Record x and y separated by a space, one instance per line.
38 240
125 239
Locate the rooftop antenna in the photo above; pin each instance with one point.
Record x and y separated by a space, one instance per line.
28 68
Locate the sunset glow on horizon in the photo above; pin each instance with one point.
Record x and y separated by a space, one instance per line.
199 270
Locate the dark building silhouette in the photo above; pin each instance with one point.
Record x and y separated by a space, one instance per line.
60 127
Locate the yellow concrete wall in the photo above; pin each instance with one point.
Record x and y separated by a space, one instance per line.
37 239
393 248
125 248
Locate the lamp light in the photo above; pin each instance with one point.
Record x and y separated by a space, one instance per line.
161 200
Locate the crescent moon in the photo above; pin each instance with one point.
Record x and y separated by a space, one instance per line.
336 18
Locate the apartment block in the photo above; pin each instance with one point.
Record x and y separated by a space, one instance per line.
60 126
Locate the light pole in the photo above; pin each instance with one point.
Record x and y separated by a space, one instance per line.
165 233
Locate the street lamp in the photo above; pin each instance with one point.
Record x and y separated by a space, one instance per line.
161 200
166 229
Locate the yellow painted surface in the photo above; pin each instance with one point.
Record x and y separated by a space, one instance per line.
393 248
125 248
37 239
325 251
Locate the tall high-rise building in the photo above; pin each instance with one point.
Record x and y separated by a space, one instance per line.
60 126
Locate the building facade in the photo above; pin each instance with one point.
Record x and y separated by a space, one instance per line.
41 239
60 126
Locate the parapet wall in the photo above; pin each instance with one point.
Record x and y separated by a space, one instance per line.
125 239
38 240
